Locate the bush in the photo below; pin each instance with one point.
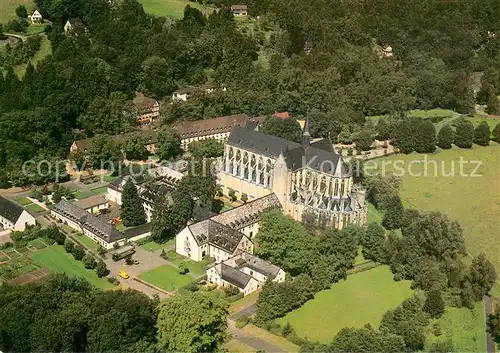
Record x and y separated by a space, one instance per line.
78 252
232 195
464 134
101 250
89 262
236 297
183 269
114 281
164 255
101 269
69 246
244 197
230 290
129 261
192 287
482 134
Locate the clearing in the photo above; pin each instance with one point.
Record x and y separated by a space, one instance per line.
45 50
472 200
56 259
8 9
171 8
166 277
361 299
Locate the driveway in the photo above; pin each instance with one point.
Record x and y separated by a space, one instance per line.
251 341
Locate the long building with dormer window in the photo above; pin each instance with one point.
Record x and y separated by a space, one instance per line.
310 180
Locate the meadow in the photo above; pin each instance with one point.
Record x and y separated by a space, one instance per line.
171 8
57 260
8 8
472 200
361 299
166 277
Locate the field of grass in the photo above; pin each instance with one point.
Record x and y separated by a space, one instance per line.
171 8
56 259
8 8
23 201
363 298
277 341
464 327
166 277
236 346
89 243
45 50
473 201
195 267
35 208
374 216
100 190
152 246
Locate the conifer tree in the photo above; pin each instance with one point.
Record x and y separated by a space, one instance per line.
496 133
394 213
132 210
434 303
445 137
482 134
464 134
425 141
493 106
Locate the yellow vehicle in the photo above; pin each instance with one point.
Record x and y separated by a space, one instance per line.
124 275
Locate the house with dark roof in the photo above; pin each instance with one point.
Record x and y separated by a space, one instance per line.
148 109
97 229
215 128
245 271
239 10
310 180
14 217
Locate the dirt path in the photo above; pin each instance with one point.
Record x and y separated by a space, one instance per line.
251 341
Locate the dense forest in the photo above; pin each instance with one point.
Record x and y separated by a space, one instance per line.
321 55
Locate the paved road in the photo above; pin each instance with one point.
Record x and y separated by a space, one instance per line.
247 311
251 341
488 309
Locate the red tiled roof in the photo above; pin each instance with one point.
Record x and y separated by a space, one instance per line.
282 115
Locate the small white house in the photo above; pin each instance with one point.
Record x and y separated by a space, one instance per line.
14 217
245 271
239 10
182 94
36 17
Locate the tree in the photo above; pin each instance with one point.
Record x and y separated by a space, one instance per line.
89 261
288 129
425 139
209 148
494 324
383 129
21 11
394 213
496 133
132 210
434 303
372 241
481 275
101 269
482 134
68 246
445 137
169 143
367 340
363 140
78 252
204 316
104 152
492 106
464 134
134 146
156 77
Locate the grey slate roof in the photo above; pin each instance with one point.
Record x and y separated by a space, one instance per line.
91 201
216 234
257 264
10 210
234 276
71 211
319 155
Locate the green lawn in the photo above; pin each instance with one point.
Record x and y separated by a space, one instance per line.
109 178
45 50
277 341
473 201
235 346
166 277
23 201
87 242
360 300
243 302
80 195
100 190
153 246
374 216
195 267
8 8
171 8
56 259
465 328
35 208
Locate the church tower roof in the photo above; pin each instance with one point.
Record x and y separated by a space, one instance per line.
306 135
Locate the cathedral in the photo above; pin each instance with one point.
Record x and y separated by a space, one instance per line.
310 179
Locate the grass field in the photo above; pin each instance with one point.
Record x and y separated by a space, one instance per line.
277 341
246 300
45 50
360 300
153 246
89 243
374 216
171 8
166 277
56 259
35 208
236 346
464 327
8 8
100 190
23 201
473 201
